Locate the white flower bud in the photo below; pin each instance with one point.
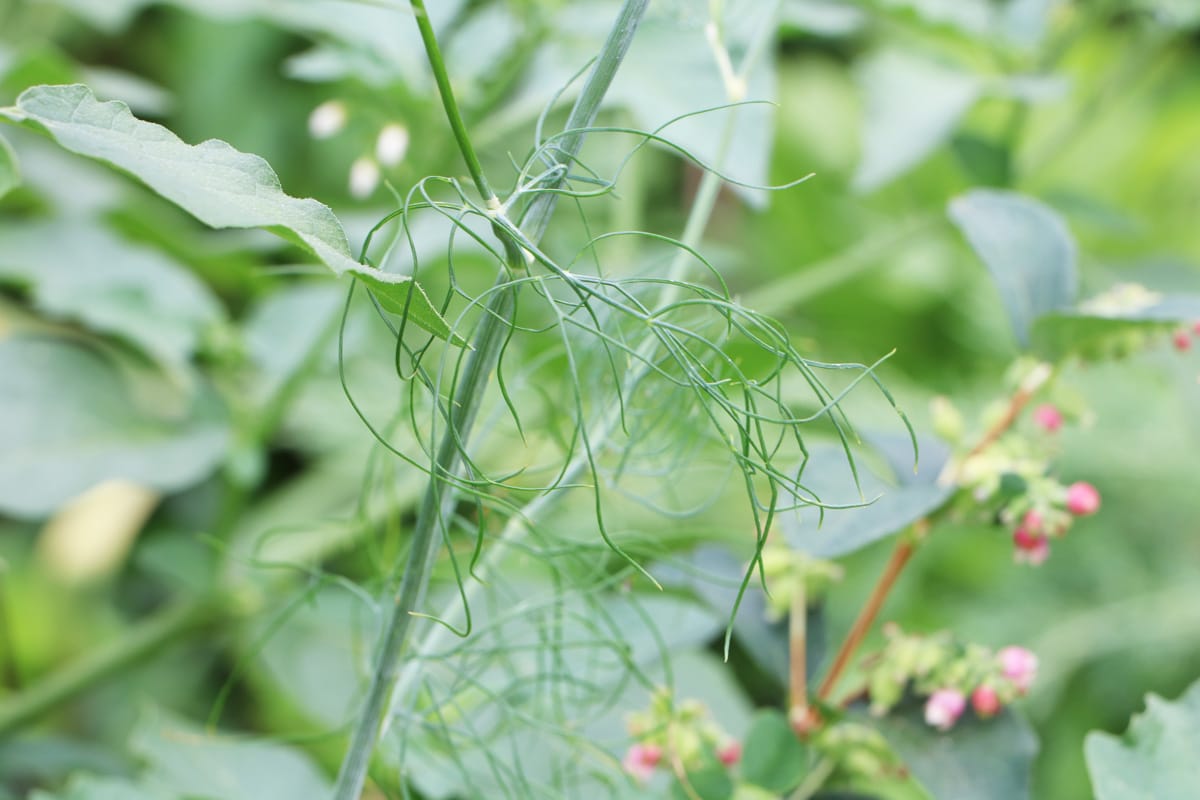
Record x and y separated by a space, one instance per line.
364 177
392 144
327 119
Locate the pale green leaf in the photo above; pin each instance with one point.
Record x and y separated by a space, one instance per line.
183 760
10 173
912 106
1025 246
889 506
80 271
90 787
217 184
69 419
1157 755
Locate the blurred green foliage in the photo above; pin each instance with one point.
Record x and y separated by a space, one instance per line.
136 343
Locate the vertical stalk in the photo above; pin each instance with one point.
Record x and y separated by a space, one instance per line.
438 501
520 524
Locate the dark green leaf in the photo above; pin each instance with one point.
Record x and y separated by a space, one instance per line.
977 759
1027 249
844 530
1157 756
707 781
773 756
217 184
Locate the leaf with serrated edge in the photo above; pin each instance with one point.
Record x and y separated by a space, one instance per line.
219 185
1157 755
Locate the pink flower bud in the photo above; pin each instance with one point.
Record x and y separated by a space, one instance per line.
1032 549
985 701
641 759
1181 340
944 707
1048 417
1082 499
1019 666
730 752
1033 522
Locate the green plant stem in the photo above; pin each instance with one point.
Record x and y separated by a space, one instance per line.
521 524
144 639
437 503
438 65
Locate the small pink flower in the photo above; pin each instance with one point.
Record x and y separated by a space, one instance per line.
1196 327
1181 340
985 701
1033 522
1048 417
944 707
1032 548
730 752
1082 499
1019 666
641 759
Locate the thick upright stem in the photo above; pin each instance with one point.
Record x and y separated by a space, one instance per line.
438 502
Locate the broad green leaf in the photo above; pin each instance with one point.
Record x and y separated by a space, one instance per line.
217 184
182 760
889 507
89 787
822 17
708 780
1106 326
283 331
912 106
10 173
380 37
1027 249
1156 757
83 272
70 418
773 757
979 759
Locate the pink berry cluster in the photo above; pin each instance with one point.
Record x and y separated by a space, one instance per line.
1038 525
948 676
685 731
1016 669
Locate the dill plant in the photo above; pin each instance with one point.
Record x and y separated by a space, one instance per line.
630 357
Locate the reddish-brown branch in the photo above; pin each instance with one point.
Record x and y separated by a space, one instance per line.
908 544
798 648
900 556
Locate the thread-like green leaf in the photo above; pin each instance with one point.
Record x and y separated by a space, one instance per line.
212 181
1157 755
